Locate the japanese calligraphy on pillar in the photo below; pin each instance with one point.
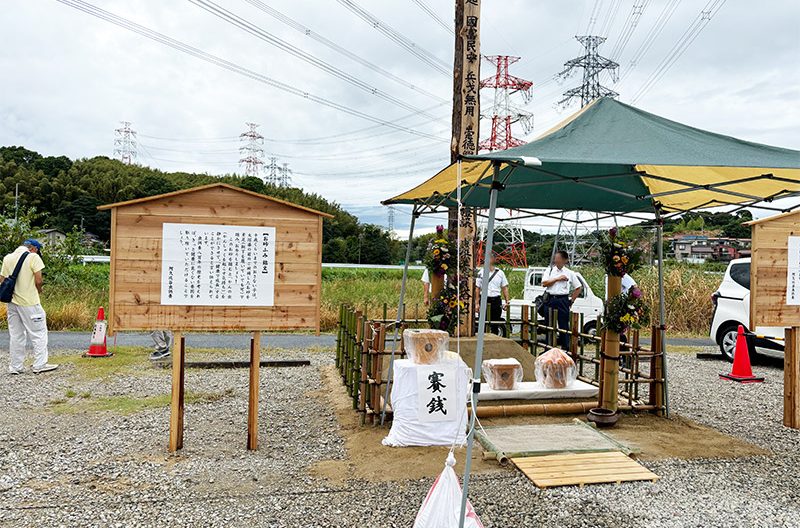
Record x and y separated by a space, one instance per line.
467 80
217 265
437 394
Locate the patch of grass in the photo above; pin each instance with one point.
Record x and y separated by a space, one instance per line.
70 393
126 360
126 405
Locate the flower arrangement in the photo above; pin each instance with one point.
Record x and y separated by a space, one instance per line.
444 310
619 257
438 257
626 310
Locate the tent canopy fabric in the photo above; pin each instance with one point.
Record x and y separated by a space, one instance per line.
612 157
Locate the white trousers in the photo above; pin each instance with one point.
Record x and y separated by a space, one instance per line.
162 339
24 323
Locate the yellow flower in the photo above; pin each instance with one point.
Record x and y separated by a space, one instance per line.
624 259
444 266
452 304
616 258
435 251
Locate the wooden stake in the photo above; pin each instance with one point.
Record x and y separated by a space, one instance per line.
252 404
524 330
791 378
176 403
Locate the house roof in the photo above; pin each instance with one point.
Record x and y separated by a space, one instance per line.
213 186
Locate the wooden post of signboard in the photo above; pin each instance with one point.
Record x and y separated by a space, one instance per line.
609 395
176 404
791 378
252 402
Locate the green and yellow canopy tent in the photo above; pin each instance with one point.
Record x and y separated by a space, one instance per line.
615 160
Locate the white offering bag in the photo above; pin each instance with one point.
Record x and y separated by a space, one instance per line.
442 505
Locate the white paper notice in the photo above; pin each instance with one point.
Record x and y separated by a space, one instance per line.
793 274
436 390
217 265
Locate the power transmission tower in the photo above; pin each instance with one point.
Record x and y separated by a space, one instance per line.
284 176
390 220
251 151
582 243
592 64
508 241
125 143
504 114
273 172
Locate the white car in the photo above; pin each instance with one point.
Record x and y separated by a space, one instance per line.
732 308
589 304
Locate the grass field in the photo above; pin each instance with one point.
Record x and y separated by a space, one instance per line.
71 298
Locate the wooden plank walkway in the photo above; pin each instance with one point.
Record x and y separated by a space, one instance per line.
571 469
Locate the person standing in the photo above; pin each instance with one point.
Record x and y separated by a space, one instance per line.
162 339
26 318
563 287
426 285
497 286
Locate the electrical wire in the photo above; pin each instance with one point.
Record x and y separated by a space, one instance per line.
652 36
230 66
241 23
436 18
395 36
680 47
274 13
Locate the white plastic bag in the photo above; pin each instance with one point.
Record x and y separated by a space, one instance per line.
502 374
442 505
555 369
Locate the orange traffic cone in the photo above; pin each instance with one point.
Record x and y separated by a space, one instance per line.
97 345
741 370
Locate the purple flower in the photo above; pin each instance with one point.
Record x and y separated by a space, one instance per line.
440 229
613 232
636 293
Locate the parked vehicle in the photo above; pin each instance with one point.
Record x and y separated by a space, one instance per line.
732 308
589 304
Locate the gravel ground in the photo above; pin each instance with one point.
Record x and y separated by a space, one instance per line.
104 469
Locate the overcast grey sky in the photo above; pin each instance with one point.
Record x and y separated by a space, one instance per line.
70 78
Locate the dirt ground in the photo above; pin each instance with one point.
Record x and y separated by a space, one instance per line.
651 437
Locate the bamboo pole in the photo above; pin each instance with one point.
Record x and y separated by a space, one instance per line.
524 330
533 409
252 401
609 394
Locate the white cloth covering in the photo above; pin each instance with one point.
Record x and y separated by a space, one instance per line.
407 429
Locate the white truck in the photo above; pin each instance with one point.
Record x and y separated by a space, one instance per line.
589 304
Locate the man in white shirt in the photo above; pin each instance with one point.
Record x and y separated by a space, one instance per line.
627 284
497 286
563 287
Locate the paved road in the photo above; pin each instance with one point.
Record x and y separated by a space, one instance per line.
80 340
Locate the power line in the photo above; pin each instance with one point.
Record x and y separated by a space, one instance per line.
395 36
274 13
637 10
431 13
237 21
652 36
230 66
683 43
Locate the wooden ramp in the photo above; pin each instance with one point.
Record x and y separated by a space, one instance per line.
571 469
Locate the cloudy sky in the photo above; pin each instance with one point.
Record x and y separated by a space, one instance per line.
70 78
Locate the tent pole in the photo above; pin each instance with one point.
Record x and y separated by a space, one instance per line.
400 315
661 309
476 382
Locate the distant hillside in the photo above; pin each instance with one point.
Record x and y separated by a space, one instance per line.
69 191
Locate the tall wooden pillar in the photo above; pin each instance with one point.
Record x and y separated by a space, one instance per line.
465 128
176 403
609 395
791 378
252 402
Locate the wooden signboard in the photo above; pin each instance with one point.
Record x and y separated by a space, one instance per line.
774 271
138 229
775 295
214 258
